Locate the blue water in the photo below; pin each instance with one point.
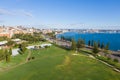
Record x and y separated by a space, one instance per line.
112 38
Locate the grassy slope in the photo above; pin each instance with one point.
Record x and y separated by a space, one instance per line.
58 64
14 61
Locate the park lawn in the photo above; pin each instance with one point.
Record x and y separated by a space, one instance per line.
58 64
15 60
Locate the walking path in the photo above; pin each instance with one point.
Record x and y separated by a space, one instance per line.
28 56
106 63
109 65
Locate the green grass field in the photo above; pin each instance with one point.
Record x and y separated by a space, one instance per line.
16 60
57 64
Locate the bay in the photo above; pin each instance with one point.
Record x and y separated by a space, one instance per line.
112 38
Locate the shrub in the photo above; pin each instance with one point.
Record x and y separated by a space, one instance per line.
115 60
29 59
47 46
108 58
33 57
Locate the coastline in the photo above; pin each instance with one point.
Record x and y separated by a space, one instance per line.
112 38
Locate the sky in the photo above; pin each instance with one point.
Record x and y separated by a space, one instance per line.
80 14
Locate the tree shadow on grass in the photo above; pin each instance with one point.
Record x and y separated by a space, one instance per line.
63 47
85 52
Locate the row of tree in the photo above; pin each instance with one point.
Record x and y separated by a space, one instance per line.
3 38
95 46
81 43
35 37
77 45
5 54
22 48
100 45
52 35
66 38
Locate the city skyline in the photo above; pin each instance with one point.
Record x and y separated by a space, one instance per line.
98 14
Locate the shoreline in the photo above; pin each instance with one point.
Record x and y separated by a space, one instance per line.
103 38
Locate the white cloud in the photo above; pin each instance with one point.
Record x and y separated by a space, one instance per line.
24 13
15 12
5 12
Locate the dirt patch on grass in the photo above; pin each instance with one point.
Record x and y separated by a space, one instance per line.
65 65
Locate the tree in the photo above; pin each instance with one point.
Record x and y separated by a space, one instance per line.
102 46
62 38
35 37
2 55
89 43
92 42
10 43
10 51
116 60
73 46
83 43
7 55
2 38
22 48
80 43
52 35
95 48
99 44
107 46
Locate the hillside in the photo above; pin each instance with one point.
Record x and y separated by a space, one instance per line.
58 64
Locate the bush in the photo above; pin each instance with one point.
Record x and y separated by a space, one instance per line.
33 57
40 47
16 45
10 43
105 59
29 59
47 46
108 58
22 48
115 60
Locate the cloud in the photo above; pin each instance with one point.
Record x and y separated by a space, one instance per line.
24 13
15 12
5 12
